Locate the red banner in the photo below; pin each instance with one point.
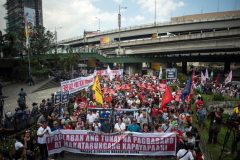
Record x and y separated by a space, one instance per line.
128 143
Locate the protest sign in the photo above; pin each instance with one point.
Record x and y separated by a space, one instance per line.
77 84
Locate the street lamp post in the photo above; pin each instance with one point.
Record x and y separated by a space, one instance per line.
98 23
119 27
56 43
155 13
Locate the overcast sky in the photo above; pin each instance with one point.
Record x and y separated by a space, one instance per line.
71 17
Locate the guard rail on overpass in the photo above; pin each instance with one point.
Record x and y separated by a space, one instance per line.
227 40
146 31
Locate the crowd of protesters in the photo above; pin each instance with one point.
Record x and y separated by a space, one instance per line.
131 103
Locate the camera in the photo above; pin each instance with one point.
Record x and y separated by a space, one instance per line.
233 121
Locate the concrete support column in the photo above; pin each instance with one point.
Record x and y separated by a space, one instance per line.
133 68
227 66
110 65
184 67
169 64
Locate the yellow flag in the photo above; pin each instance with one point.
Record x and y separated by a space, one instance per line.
26 31
98 92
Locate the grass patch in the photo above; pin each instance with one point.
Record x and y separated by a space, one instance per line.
214 150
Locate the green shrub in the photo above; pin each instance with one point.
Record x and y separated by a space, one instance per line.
218 97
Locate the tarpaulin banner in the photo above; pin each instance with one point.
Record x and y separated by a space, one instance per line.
128 143
105 73
77 84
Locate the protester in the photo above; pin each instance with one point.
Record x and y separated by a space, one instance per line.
42 133
215 124
19 147
134 127
106 127
120 126
29 144
185 153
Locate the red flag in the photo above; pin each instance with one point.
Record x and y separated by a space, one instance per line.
218 79
167 97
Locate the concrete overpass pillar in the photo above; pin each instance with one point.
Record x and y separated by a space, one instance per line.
184 67
169 64
227 66
133 68
110 65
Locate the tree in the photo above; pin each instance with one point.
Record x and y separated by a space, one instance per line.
41 41
71 61
9 45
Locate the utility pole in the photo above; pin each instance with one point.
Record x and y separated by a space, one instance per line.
119 27
56 41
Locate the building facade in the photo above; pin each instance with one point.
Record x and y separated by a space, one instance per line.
18 10
18 13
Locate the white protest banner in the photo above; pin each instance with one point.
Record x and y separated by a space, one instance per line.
128 143
77 84
105 72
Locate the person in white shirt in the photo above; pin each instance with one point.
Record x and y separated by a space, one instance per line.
126 120
90 117
19 148
42 132
119 126
186 153
97 126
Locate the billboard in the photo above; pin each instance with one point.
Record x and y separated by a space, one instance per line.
104 40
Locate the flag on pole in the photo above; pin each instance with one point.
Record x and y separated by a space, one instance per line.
187 89
203 79
218 79
167 97
26 33
193 83
160 73
98 92
211 75
206 74
109 72
229 78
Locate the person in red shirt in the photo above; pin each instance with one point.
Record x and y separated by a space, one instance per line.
199 102
154 113
67 125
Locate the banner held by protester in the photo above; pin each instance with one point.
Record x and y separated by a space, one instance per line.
128 143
